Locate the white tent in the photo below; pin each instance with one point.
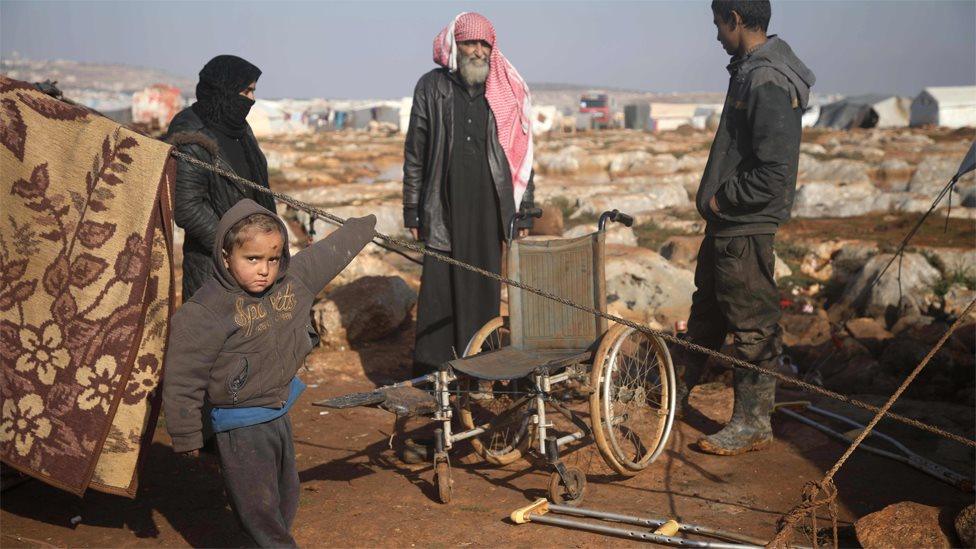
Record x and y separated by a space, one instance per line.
953 107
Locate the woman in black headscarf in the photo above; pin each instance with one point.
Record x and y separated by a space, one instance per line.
215 130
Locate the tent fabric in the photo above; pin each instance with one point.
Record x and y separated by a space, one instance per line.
86 291
851 112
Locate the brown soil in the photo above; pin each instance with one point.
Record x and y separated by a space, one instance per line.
355 493
887 230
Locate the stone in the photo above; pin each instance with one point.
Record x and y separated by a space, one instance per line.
642 162
616 233
651 198
551 222
890 298
868 332
813 148
692 162
366 309
838 170
910 321
363 265
835 199
780 268
860 152
894 174
956 299
953 260
905 524
564 161
645 282
932 173
682 250
965 525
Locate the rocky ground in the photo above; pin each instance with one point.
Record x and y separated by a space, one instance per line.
859 193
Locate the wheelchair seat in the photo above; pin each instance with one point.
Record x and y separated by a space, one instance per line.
510 363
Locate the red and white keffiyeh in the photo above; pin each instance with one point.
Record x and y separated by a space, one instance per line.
506 92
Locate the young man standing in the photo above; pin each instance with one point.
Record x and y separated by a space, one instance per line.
746 192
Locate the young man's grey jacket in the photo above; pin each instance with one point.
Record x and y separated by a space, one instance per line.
752 165
427 154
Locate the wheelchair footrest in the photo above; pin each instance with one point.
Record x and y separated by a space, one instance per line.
409 401
368 398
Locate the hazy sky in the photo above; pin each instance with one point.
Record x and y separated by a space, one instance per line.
379 49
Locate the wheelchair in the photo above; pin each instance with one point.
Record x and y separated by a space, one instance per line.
525 381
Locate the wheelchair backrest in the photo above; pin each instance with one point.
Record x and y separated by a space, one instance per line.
571 268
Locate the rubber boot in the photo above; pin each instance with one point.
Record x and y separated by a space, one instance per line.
749 429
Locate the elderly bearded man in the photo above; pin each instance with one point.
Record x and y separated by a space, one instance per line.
467 167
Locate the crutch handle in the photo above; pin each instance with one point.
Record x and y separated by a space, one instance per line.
537 507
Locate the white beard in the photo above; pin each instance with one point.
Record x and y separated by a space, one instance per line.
473 71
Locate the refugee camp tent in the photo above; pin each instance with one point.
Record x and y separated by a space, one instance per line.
272 118
953 107
810 116
865 111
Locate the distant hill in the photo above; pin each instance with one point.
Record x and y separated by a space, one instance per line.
74 75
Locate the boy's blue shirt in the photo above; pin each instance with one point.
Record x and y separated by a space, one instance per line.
226 419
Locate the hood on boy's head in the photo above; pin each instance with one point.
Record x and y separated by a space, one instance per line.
777 53
241 210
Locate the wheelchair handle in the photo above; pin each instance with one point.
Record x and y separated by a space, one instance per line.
522 214
617 217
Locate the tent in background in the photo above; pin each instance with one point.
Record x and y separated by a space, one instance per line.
953 107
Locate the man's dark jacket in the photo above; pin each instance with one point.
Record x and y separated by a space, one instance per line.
203 197
752 164
427 155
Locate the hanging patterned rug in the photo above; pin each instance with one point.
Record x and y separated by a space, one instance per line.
86 291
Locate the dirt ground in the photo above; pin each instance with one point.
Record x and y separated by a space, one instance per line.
355 493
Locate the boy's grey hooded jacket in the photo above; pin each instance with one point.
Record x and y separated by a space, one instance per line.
752 165
237 349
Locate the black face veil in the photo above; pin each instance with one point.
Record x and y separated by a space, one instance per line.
219 100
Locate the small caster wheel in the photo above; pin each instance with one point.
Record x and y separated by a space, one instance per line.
442 478
571 494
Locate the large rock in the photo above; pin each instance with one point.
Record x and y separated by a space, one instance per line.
645 282
894 174
780 268
364 310
838 170
615 234
652 198
551 222
905 524
564 161
868 332
642 162
890 298
956 299
932 173
835 199
682 250
364 265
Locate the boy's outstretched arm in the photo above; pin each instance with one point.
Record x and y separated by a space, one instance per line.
318 264
193 347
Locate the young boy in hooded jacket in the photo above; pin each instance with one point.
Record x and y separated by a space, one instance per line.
238 343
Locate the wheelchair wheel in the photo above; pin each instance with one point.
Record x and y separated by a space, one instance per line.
484 401
632 407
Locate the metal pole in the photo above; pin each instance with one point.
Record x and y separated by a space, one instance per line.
634 534
651 522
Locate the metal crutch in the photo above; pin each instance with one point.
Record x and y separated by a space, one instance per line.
909 458
664 532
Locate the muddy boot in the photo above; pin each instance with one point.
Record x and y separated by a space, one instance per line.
749 429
